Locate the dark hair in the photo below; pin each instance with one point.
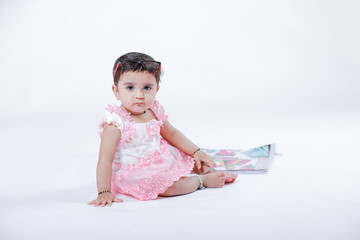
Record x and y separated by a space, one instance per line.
136 57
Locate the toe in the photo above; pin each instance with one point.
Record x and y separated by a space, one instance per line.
230 178
221 182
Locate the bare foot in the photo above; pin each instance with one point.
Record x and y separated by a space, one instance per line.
230 178
214 179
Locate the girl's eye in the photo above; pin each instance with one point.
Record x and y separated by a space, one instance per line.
147 88
130 88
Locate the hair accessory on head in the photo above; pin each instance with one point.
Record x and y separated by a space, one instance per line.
133 64
117 66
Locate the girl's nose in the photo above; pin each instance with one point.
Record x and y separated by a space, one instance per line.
139 94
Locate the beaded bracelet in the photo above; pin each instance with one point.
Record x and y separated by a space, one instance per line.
196 151
104 192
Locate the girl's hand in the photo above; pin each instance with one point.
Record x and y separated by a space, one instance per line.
105 198
201 156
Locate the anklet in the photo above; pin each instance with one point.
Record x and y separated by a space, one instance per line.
207 171
201 181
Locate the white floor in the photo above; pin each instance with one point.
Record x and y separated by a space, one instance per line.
311 192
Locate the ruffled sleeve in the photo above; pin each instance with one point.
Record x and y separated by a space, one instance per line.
119 118
111 117
159 111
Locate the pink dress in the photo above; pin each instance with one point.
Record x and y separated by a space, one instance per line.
145 164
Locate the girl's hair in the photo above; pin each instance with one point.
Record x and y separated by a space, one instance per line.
134 56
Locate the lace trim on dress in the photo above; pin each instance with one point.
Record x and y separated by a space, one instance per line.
127 130
149 188
159 111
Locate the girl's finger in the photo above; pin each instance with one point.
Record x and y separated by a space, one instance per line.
198 163
98 202
209 160
213 163
208 164
117 200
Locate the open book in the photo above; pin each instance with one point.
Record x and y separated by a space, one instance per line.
250 161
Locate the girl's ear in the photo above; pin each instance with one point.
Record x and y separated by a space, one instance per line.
116 92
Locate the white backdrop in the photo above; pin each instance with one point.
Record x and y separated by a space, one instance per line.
295 56
237 73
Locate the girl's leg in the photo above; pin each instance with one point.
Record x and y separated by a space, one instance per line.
187 185
183 186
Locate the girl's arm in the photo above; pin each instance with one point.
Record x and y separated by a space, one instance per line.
109 141
180 141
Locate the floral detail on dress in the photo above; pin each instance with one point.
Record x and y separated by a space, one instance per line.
114 115
153 128
121 112
159 111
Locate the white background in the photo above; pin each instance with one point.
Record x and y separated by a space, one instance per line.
237 74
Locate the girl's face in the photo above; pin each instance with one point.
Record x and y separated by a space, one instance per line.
136 91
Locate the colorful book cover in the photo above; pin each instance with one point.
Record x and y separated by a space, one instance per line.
254 160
